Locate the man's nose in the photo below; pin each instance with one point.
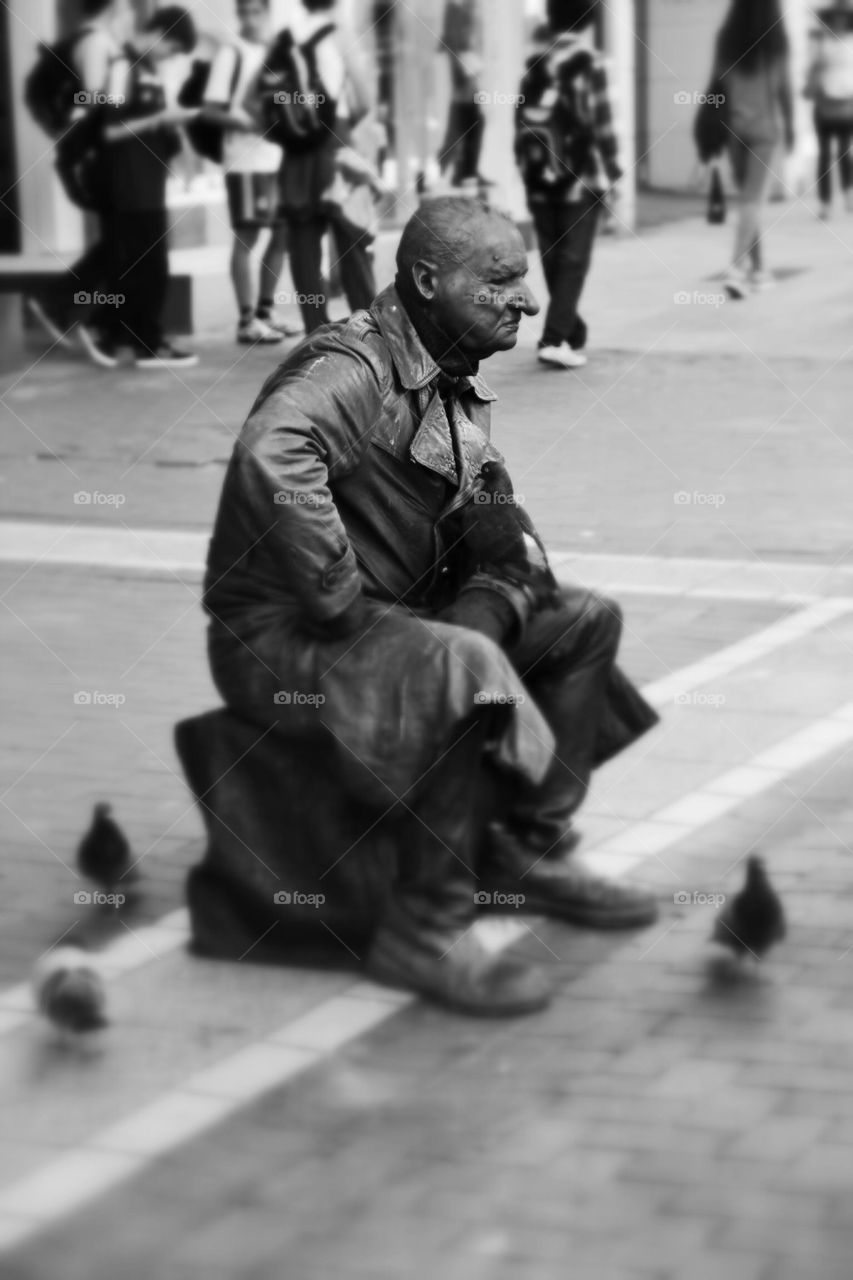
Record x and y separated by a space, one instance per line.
525 301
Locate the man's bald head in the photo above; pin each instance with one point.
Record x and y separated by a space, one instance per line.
447 231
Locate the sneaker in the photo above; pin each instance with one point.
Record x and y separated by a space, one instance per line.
167 357
824 212
58 332
256 330
761 281
736 283
284 327
98 351
563 357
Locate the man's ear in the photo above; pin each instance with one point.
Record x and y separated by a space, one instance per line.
425 279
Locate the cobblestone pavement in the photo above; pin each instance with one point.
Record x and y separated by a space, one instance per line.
660 1121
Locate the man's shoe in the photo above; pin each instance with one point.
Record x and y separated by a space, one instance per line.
257 331
286 328
562 357
58 333
98 352
736 283
557 886
167 357
452 968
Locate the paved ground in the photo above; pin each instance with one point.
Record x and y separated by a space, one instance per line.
658 1122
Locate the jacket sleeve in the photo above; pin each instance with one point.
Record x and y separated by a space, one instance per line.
309 426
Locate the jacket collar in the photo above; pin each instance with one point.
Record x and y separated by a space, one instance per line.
414 364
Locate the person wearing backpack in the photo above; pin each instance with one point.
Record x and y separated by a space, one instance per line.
62 93
140 136
251 164
321 96
566 149
830 86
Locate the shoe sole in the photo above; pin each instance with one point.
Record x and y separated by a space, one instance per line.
261 342
167 364
100 358
388 976
558 364
736 292
586 917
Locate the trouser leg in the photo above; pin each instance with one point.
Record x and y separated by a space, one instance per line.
565 660
566 234
355 265
306 262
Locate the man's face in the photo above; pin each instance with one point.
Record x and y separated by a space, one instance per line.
479 302
252 19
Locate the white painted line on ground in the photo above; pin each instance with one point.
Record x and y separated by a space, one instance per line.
211 1096
163 552
171 932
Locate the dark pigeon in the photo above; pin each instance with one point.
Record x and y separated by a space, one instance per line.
104 853
755 917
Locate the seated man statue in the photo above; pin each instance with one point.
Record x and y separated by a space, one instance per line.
382 610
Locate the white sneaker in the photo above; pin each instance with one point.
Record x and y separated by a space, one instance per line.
279 325
256 330
564 357
96 352
736 283
761 281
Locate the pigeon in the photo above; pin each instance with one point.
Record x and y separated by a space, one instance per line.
104 852
69 992
501 536
755 917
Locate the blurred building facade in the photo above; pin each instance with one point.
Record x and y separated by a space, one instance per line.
660 54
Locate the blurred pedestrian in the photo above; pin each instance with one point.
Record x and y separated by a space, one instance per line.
752 70
566 149
463 139
830 86
308 175
91 48
251 165
140 133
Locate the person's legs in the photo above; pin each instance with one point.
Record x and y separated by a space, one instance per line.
245 239
305 235
845 163
271 264
824 163
145 279
424 941
354 264
752 166
566 247
472 125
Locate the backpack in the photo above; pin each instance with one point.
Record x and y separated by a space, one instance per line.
51 84
297 111
553 126
206 137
